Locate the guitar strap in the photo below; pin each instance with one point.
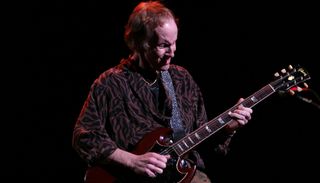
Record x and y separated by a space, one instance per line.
175 121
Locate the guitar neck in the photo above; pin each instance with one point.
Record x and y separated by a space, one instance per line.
193 139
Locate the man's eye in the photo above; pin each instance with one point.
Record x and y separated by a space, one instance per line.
163 45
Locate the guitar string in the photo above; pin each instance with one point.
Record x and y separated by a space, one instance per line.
203 133
260 95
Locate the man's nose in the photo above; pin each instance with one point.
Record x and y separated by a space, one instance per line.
171 50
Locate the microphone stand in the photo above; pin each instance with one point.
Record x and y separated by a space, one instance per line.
310 101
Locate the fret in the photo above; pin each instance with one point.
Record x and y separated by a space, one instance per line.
188 142
197 136
258 96
189 138
254 99
221 121
208 129
185 143
180 147
176 149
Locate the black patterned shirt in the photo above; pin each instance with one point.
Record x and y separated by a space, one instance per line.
121 109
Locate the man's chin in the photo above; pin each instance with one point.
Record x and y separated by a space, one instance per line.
165 67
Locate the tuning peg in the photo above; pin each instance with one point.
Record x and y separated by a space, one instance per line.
298 89
290 67
276 74
283 71
291 92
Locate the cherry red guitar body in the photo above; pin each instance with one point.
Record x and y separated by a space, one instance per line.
178 169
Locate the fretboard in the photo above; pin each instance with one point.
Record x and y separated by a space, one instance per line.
193 139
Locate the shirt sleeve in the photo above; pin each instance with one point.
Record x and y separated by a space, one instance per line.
90 138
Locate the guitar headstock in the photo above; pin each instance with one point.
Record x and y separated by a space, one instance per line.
290 80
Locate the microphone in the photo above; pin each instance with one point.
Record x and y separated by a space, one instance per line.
309 101
304 99
296 90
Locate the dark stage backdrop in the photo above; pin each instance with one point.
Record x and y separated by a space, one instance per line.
232 48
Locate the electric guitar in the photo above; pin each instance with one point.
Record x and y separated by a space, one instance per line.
180 169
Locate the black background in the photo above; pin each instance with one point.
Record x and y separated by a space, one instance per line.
232 48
